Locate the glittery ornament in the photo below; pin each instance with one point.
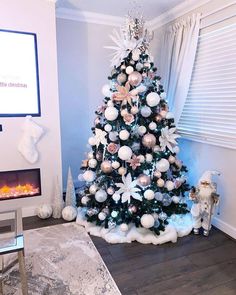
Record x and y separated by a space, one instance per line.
160 182
144 180
158 196
84 200
152 126
142 130
129 70
106 167
93 188
149 194
153 99
101 196
147 221
108 127
121 78
149 158
139 66
146 111
114 214
102 216
163 216
111 113
149 140
92 163
169 185
135 78
125 153
163 165
157 174
167 200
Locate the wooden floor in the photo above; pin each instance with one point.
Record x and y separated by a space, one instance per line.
194 265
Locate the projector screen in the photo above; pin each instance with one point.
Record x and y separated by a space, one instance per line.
19 81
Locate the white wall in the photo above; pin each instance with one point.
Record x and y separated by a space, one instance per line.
36 16
83 68
200 156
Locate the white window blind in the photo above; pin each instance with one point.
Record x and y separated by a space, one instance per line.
209 114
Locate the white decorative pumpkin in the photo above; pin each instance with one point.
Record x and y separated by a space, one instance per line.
44 211
69 213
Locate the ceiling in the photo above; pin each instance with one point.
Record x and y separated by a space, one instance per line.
149 8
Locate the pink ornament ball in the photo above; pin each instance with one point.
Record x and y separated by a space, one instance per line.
135 78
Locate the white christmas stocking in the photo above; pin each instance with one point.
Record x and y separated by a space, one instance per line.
31 135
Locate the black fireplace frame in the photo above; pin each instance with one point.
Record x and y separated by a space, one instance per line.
24 196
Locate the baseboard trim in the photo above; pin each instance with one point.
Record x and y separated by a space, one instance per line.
225 227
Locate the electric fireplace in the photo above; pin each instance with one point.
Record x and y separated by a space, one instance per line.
20 184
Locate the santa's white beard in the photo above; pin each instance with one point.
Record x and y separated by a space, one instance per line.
205 191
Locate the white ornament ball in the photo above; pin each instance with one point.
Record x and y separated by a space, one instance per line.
149 158
147 220
134 110
129 70
175 199
124 112
176 149
170 185
121 170
160 182
84 200
114 214
69 213
116 197
44 211
101 196
146 111
153 99
139 66
113 135
106 90
102 216
163 165
115 165
169 115
124 227
149 194
142 130
111 113
125 153
92 163
107 127
92 140
124 134
93 188
141 158
152 126
90 155
110 103
89 176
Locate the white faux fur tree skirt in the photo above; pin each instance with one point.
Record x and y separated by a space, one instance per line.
179 226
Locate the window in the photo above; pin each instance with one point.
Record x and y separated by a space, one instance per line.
209 114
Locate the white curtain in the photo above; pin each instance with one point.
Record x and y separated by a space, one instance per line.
178 52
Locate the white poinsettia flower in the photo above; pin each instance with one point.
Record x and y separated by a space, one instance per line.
100 136
123 48
128 189
168 138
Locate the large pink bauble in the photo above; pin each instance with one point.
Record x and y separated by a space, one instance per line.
149 140
135 78
106 167
144 180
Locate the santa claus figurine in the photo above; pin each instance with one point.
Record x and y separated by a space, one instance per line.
204 199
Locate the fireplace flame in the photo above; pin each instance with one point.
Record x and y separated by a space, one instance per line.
18 190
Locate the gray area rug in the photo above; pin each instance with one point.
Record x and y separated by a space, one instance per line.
61 260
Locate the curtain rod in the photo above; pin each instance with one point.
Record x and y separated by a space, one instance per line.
217 10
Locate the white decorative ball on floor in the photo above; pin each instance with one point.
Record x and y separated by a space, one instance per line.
44 211
147 220
124 134
149 194
129 70
69 213
101 196
107 127
163 165
146 111
115 165
124 227
142 130
92 140
116 197
125 153
153 99
102 216
92 163
93 188
152 126
106 90
111 113
170 185
89 176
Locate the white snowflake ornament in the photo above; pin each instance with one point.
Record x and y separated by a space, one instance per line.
168 138
128 189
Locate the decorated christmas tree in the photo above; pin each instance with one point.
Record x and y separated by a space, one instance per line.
132 173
